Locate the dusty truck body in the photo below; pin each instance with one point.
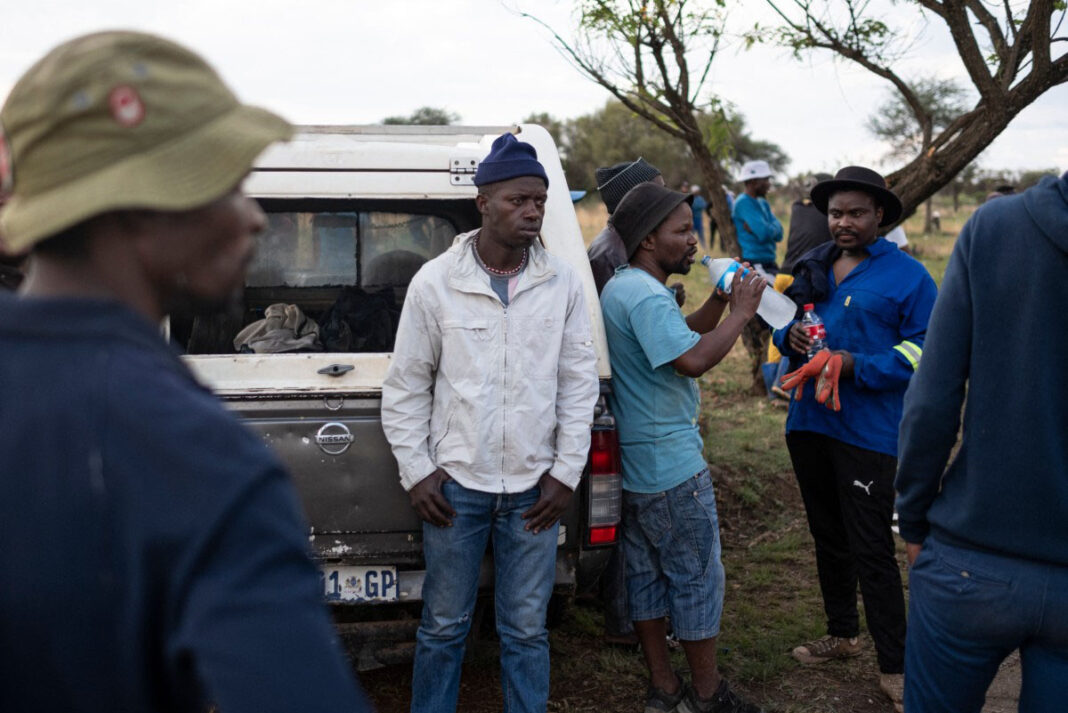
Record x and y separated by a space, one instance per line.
353 212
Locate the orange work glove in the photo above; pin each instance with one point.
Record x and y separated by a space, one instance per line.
827 386
810 370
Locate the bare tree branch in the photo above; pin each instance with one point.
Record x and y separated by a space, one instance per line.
600 77
1009 19
1009 65
990 23
1041 11
956 17
659 88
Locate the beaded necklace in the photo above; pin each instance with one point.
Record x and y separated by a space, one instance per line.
500 273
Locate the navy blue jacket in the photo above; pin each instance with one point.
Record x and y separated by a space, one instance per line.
997 345
154 556
879 314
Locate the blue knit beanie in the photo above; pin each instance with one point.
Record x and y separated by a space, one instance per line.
509 158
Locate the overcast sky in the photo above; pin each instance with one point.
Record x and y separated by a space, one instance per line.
358 61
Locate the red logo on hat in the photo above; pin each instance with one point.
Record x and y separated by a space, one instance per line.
7 172
126 105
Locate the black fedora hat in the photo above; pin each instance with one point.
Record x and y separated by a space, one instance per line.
858 178
642 209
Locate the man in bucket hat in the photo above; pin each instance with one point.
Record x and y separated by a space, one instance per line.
487 405
875 301
158 556
670 527
606 253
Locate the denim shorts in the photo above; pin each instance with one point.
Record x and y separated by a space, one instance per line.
673 557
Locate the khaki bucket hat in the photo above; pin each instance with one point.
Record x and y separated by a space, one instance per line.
121 120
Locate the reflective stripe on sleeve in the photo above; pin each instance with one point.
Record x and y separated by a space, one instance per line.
911 352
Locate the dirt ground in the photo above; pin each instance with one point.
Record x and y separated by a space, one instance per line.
588 676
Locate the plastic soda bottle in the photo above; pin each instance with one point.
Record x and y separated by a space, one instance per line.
815 330
776 309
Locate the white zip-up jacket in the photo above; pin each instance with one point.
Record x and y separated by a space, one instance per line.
495 396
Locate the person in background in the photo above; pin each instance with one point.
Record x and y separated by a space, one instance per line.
985 537
670 525
185 578
699 205
1004 189
713 226
875 302
488 404
606 252
808 227
759 231
897 237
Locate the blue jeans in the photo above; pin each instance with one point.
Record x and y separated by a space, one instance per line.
525 568
673 557
968 610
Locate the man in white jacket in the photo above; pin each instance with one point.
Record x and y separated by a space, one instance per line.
488 405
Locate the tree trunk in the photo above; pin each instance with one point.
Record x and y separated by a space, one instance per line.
715 179
927 227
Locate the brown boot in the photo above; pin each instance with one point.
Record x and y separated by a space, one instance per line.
827 648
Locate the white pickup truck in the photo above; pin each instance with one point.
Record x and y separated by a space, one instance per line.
353 212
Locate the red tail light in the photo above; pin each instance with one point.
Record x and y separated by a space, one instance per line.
606 495
602 535
604 453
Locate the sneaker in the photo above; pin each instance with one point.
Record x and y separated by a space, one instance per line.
780 393
723 701
827 648
656 701
893 685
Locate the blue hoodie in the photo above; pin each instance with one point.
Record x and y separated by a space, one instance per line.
153 552
996 344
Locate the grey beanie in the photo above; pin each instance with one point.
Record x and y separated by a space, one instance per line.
614 181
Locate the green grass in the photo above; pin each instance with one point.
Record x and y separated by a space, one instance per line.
772 600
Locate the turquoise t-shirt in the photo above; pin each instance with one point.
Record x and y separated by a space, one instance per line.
656 408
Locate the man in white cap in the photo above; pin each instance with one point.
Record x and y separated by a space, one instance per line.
160 557
758 233
758 230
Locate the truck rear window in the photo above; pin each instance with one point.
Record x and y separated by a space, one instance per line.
335 269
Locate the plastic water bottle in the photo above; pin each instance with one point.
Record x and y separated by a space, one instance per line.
775 308
815 330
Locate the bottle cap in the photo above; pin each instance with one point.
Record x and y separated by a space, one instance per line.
809 307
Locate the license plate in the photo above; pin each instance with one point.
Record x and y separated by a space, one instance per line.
360 584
